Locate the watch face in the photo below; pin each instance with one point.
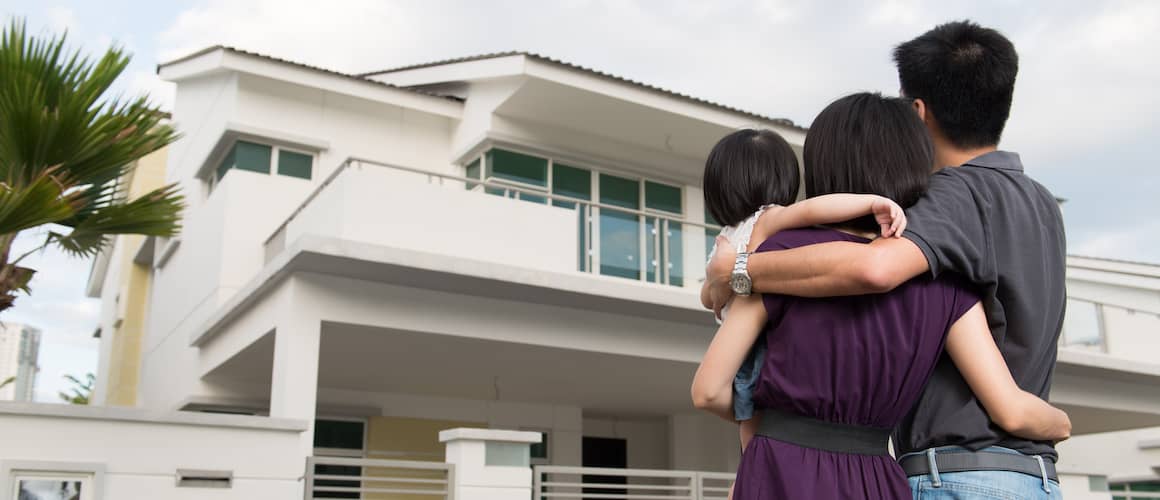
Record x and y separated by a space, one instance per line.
740 284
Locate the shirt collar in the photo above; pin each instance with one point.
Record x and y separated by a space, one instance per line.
1004 160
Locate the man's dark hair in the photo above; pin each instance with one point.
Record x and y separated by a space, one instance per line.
747 169
965 74
869 144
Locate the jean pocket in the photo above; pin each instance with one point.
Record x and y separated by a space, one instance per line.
950 490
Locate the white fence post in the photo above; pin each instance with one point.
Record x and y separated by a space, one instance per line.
490 464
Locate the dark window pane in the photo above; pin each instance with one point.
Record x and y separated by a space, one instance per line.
571 181
619 191
472 172
293 164
1145 486
252 157
540 450
662 197
341 434
517 167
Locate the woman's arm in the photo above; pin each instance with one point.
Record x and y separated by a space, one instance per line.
830 209
713 384
1019 412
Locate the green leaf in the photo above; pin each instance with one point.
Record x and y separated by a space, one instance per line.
38 203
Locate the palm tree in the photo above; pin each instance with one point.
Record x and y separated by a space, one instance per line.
63 145
4 383
81 391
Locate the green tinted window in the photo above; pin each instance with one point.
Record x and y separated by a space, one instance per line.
571 181
540 449
293 164
472 172
341 434
710 234
662 197
517 167
252 157
619 191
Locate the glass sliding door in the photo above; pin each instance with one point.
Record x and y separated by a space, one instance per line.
620 232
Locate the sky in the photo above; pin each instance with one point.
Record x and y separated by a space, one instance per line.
1084 117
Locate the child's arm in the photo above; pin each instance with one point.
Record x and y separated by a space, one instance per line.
1019 412
712 389
830 209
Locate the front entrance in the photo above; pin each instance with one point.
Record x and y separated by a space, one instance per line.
608 453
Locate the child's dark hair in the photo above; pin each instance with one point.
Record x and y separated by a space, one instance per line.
868 144
747 169
965 74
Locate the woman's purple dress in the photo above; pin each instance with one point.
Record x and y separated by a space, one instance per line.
859 360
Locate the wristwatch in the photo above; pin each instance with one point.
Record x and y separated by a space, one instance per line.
739 281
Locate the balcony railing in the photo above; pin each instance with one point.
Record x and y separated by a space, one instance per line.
335 477
549 481
645 245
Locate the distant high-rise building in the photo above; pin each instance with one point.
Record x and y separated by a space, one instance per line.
19 352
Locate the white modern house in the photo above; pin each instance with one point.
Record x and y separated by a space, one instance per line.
506 245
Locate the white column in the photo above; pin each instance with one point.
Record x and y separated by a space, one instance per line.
490 464
294 385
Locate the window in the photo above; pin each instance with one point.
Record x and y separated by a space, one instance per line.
1124 491
51 480
620 236
516 167
539 451
1083 323
47 486
260 158
343 438
631 244
294 164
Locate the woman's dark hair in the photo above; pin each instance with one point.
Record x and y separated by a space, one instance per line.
869 144
747 169
965 74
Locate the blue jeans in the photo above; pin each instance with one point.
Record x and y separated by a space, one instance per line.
745 382
989 485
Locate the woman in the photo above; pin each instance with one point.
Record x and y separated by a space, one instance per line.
840 373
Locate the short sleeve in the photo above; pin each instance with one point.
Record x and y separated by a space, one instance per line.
962 296
948 226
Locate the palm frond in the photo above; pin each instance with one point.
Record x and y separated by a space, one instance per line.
157 213
39 202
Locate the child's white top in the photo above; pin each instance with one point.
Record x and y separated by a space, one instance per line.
738 237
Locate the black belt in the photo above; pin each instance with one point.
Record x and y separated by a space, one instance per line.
965 461
822 435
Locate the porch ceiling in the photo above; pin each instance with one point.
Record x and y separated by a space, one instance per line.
370 359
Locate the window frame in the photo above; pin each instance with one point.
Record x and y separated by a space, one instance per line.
276 157
91 475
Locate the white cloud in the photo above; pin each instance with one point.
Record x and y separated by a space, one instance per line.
61 19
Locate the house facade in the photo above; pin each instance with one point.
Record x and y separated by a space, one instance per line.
497 242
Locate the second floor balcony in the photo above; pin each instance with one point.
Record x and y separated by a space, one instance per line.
558 219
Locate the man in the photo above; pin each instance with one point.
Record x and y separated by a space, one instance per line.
982 218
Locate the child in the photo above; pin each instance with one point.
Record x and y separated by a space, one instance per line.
750 172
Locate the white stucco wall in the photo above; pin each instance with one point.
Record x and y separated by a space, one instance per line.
142 453
387 207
